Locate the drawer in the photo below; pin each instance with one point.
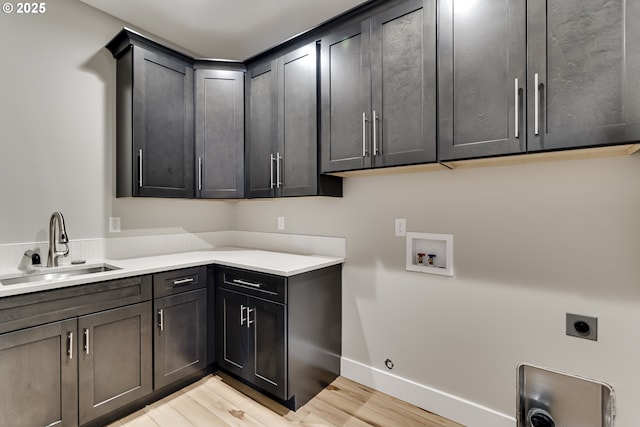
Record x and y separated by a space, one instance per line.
23 311
177 281
265 286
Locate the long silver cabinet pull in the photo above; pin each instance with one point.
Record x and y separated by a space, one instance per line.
375 141
161 319
200 173
249 321
364 134
242 318
536 106
70 345
140 168
244 282
271 169
86 341
184 281
517 109
279 158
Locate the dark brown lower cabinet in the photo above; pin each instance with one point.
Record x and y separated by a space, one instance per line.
253 335
70 372
38 367
180 336
70 355
114 359
282 335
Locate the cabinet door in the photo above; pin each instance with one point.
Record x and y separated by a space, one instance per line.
267 343
403 70
297 123
115 365
481 60
262 111
232 335
219 133
162 125
584 56
346 99
38 367
180 341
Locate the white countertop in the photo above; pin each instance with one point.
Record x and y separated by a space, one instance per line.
278 263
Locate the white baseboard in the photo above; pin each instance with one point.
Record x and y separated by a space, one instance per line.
444 404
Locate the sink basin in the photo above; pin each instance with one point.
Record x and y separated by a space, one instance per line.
57 273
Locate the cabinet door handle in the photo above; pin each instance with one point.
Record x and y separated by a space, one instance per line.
536 105
86 341
279 158
242 318
364 134
140 168
244 282
517 109
199 173
161 319
70 345
271 169
180 282
374 119
249 321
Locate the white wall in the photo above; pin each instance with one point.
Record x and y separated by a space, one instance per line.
57 133
532 242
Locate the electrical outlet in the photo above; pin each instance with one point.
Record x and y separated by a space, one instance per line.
114 224
581 326
280 223
401 227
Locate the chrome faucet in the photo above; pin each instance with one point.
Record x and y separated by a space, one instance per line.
62 238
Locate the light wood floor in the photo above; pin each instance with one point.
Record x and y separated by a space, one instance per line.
213 401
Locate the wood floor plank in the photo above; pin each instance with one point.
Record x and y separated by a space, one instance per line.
194 412
249 406
138 419
220 400
391 407
230 414
333 416
165 415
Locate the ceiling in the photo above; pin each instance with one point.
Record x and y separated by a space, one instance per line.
225 29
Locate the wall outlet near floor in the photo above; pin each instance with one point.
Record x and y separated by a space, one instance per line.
114 224
280 223
401 227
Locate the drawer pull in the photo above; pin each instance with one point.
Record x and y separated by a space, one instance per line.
244 282
180 282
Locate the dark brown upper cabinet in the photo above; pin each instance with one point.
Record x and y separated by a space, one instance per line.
378 90
583 81
517 76
282 128
219 132
482 72
154 119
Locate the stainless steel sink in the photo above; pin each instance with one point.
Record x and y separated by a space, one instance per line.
57 273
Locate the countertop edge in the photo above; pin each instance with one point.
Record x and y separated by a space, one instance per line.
156 264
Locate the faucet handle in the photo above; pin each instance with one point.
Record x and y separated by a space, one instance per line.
35 257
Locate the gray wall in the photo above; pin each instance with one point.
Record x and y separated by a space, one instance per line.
57 133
